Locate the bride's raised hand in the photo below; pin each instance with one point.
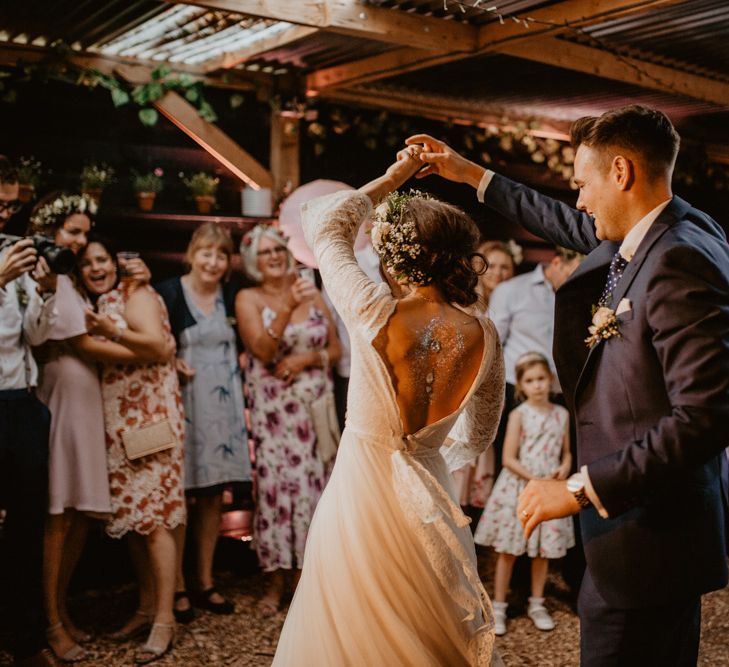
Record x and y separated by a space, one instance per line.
406 165
441 159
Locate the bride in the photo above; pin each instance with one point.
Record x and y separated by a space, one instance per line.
389 574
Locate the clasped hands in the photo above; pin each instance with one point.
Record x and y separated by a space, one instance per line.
426 155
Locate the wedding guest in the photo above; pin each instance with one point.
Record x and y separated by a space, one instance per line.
475 480
292 344
537 446
69 386
27 313
147 498
201 306
502 259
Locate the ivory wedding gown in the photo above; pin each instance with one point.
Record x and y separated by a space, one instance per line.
389 576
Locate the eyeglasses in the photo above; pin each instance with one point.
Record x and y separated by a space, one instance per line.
11 207
278 250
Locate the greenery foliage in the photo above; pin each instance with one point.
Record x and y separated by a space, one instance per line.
97 176
201 184
149 181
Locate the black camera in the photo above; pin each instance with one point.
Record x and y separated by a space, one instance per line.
60 260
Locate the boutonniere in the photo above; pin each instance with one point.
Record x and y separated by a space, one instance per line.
604 325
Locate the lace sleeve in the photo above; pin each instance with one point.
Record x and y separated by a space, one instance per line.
476 426
330 225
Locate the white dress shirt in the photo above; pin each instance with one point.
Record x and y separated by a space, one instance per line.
523 311
21 328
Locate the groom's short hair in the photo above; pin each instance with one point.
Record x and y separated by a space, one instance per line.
641 130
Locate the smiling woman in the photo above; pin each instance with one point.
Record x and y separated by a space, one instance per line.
292 343
201 308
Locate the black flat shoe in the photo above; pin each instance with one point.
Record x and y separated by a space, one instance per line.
183 616
203 601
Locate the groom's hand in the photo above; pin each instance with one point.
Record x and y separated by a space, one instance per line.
542 500
441 159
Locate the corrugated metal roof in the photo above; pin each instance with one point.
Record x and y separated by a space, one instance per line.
470 11
691 35
695 32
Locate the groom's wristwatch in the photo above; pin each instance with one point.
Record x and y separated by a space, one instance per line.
576 486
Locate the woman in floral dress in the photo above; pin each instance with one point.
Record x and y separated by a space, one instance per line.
147 494
292 344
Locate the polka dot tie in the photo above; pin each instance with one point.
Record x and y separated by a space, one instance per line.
615 273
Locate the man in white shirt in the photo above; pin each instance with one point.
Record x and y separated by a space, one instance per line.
27 313
642 350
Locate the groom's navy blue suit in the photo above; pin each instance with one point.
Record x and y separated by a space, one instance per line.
651 409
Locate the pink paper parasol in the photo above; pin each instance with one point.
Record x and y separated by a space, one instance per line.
290 217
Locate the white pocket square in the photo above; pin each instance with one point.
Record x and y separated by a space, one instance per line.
624 306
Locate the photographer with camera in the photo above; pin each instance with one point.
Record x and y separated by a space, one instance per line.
27 313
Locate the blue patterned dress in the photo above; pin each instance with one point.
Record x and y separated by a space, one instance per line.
216 440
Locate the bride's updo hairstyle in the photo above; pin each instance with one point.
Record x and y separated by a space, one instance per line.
423 241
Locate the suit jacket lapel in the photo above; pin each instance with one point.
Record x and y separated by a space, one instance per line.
573 307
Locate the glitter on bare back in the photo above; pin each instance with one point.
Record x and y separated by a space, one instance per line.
439 353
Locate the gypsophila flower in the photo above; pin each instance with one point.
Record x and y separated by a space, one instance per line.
394 239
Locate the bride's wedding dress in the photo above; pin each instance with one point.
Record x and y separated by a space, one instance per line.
389 576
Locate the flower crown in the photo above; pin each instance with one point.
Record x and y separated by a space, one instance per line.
395 239
259 230
47 217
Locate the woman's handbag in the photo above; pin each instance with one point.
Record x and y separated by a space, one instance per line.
326 425
156 437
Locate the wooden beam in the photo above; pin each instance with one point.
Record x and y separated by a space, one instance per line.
552 20
626 69
285 153
441 108
233 58
182 114
347 17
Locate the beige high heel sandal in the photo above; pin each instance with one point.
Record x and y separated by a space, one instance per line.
150 651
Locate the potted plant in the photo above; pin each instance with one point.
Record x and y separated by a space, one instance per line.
94 178
146 186
202 187
29 177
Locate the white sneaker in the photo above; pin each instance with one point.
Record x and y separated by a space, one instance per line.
500 618
539 615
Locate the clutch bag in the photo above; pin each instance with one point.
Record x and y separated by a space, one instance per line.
323 413
156 437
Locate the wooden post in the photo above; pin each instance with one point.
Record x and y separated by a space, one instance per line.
285 144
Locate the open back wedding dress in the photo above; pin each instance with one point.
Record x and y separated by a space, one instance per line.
389 576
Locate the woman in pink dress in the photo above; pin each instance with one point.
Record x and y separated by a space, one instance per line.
147 494
69 386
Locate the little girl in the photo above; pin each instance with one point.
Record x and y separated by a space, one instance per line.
536 446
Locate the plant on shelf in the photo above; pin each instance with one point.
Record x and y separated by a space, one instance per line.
146 185
29 177
202 187
96 177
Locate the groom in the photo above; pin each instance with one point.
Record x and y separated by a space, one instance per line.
649 392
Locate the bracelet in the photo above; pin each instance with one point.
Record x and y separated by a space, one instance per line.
272 333
324 358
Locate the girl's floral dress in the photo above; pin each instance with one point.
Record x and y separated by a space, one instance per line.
289 475
540 452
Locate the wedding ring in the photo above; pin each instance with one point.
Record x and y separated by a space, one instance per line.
525 514
286 374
